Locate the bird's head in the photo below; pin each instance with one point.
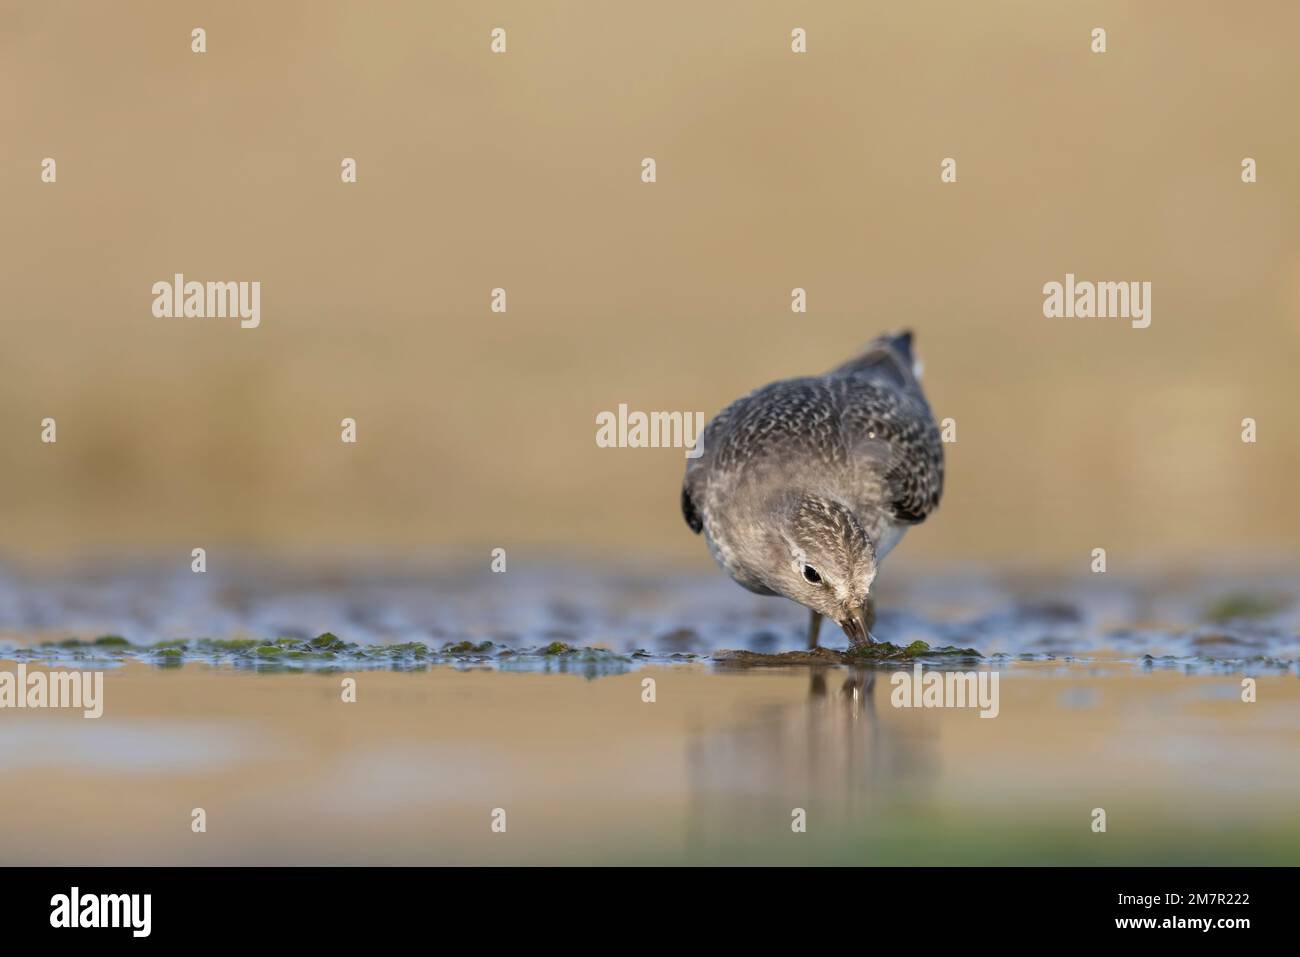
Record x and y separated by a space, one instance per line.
826 562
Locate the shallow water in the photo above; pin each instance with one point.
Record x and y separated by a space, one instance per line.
1126 697
712 771
603 622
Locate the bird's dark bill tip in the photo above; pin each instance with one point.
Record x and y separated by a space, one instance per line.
855 627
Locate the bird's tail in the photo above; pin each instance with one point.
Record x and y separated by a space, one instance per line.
886 358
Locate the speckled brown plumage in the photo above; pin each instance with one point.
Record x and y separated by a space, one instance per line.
835 466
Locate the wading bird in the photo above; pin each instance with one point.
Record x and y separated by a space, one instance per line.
804 486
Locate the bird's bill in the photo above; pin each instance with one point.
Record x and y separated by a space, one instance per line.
855 626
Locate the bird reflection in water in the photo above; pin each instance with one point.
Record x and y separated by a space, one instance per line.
840 754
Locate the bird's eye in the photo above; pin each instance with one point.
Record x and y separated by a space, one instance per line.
810 574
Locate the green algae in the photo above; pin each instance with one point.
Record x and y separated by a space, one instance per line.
885 651
1237 606
328 641
879 652
759 659
413 648
328 652
467 648
228 644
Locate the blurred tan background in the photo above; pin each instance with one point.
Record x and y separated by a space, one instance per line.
522 171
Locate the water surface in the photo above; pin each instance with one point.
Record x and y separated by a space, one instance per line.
527 694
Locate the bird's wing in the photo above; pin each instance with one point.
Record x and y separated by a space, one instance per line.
896 430
689 512
830 423
697 469
768 432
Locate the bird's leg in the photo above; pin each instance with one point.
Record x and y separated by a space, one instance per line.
814 626
871 617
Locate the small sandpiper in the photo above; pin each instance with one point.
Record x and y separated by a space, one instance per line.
805 485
